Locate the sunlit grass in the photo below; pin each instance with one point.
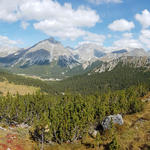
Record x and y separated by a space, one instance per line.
6 87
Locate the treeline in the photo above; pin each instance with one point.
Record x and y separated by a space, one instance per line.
66 118
121 77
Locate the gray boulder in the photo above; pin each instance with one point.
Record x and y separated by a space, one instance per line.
116 119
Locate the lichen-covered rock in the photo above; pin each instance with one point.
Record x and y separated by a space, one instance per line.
116 119
92 131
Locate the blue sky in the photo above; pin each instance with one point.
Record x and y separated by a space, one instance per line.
109 23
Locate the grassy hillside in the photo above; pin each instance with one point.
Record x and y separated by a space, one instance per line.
135 133
13 89
44 71
21 80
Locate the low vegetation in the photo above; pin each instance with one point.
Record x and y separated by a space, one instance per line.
67 118
121 77
63 113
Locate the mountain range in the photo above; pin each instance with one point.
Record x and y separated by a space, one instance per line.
50 59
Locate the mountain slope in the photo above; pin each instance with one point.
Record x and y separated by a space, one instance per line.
133 61
88 51
50 59
46 52
121 77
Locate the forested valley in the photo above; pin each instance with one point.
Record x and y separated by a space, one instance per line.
65 111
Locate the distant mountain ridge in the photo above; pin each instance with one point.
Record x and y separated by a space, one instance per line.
50 58
132 61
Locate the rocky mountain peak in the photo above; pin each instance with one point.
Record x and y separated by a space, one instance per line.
88 51
52 40
87 55
45 52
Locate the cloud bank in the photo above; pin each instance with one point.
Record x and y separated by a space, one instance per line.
50 17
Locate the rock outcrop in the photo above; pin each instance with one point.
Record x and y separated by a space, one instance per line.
132 61
116 119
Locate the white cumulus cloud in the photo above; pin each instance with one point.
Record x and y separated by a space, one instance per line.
57 29
5 41
94 38
50 16
144 18
127 35
127 41
9 10
121 25
145 38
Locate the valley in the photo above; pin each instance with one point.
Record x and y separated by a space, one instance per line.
74 75
62 106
